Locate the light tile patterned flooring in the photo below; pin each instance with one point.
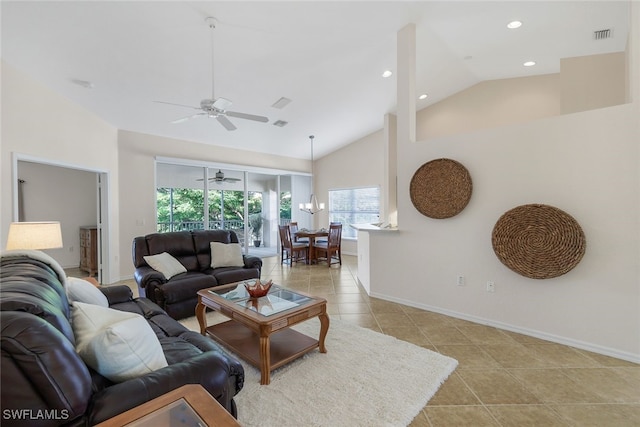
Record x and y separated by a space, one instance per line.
503 378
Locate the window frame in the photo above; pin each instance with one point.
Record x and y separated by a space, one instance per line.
353 213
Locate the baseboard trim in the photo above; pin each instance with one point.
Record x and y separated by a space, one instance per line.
595 348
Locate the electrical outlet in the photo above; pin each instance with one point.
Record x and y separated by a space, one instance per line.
491 287
460 280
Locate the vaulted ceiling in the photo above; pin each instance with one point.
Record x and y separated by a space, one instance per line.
117 58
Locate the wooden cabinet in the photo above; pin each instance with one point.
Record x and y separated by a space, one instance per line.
89 250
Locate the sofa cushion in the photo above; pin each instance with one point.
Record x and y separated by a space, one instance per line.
186 286
165 264
178 243
226 255
40 369
117 344
33 287
202 243
79 290
225 275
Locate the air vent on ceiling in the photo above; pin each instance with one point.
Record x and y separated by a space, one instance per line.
280 123
281 103
602 34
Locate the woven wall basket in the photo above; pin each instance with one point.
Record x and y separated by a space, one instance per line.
441 188
538 241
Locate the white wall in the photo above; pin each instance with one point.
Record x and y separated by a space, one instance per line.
491 103
55 130
359 164
563 162
593 72
586 164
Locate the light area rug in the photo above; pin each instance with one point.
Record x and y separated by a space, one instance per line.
365 379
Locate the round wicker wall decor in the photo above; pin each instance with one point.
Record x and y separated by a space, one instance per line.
441 188
538 241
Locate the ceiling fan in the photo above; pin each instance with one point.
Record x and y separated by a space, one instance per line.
216 108
220 178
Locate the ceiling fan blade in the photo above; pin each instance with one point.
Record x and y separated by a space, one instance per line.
225 122
232 179
179 105
184 119
247 116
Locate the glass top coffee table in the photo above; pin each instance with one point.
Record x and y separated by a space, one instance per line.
259 330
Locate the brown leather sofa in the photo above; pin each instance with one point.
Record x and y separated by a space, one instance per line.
46 383
178 295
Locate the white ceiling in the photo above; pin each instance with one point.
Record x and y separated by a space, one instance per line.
327 57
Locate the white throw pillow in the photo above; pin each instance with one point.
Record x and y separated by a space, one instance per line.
119 345
165 264
226 255
79 290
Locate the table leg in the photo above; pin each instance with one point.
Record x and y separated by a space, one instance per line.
312 250
265 360
324 328
201 310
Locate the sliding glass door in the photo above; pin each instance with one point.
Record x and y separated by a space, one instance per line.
179 198
244 202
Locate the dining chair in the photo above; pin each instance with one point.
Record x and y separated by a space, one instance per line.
323 239
293 226
290 250
332 248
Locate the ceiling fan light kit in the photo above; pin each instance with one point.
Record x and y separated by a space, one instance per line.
216 108
219 178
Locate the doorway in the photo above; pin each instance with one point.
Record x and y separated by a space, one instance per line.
45 190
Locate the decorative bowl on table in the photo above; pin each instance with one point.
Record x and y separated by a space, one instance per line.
258 289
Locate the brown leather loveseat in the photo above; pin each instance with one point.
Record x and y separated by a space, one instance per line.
178 295
47 382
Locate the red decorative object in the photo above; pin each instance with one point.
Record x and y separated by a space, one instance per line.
258 289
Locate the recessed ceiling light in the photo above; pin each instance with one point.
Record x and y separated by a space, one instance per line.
529 63
387 73
514 24
423 96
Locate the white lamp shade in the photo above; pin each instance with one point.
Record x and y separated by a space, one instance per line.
34 235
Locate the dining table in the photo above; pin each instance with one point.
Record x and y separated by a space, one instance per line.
311 235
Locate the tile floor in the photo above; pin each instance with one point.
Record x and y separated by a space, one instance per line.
503 378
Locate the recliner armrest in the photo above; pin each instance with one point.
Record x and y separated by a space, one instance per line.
146 275
251 261
117 294
211 370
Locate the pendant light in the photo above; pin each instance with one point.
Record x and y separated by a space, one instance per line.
312 206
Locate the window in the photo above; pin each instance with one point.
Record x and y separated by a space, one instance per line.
354 206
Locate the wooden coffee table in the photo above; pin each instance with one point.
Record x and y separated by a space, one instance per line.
259 330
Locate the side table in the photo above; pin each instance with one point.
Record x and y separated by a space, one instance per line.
190 401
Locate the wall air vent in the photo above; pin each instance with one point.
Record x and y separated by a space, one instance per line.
280 123
602 34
